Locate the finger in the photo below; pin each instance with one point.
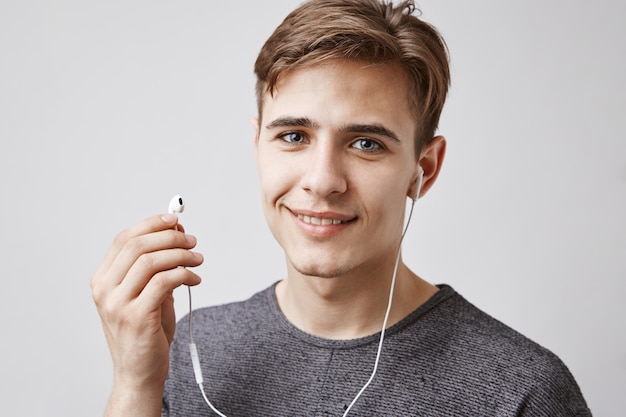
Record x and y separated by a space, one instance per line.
161 285
151 264
145 244
149 225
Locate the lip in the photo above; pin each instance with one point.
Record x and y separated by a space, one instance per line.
321 224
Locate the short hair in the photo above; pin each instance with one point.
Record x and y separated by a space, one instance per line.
371 31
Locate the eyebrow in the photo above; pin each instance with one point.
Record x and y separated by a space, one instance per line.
292 121
376 129
373 128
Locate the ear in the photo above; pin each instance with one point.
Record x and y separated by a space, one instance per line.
255 123
431 160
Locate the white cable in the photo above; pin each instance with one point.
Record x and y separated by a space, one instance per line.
177 206
382 331
197 370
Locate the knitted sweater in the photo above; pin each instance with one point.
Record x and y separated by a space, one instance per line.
447 358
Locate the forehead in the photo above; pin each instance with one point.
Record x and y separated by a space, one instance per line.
342 91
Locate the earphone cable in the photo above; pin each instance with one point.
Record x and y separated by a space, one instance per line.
196 361
386 319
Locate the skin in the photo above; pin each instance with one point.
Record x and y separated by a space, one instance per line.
132 290
336 144
336 141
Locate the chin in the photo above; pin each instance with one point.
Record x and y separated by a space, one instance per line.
320 271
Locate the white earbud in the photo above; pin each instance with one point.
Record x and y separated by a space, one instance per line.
420 178
176 205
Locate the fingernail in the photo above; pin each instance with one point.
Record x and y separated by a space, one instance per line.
198 256
169 218
191 239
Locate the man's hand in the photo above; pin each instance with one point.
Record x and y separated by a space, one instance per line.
132 290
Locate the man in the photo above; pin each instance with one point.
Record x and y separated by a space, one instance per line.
349 96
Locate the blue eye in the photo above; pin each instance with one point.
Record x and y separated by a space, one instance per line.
367 145
293 137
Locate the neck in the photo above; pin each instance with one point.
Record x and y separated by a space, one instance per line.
350 306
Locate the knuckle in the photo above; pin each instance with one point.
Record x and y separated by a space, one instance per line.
165 281
93 282
161 281
145 261
109 309
120 239
135 245
179 274
97 294
176 238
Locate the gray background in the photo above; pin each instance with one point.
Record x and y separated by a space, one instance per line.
107 109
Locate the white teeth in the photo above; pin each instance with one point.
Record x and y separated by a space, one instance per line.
317 221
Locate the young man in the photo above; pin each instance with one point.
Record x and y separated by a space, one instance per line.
349 95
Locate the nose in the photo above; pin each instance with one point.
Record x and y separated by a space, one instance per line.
324 171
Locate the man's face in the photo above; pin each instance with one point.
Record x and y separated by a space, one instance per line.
336 158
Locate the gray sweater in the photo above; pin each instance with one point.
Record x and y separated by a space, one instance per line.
447 358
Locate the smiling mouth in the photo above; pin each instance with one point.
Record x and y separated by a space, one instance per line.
319 222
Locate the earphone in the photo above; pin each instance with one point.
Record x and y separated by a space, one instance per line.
420 178
177 206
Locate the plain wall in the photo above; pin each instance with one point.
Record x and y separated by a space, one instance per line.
109 108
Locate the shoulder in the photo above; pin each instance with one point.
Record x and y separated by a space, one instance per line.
467 347
469 329
456 322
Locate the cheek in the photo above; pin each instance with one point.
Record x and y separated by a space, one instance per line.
275 177
385 197
386 183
